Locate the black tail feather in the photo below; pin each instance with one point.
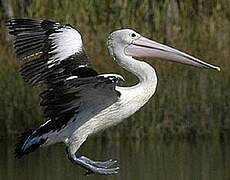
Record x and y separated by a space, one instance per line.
20 151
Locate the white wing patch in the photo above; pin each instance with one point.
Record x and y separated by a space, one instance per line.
115 75
65 44
71 77
45 123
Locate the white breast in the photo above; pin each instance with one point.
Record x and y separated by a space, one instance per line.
131 100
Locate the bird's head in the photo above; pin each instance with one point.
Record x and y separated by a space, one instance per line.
130 43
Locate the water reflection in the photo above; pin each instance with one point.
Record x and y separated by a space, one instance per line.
138 160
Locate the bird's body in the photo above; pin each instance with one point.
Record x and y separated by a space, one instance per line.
130 100
77 101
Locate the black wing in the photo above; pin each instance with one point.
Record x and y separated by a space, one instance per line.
54 54
72 96
49 51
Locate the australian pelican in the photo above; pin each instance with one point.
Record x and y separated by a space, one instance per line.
77 101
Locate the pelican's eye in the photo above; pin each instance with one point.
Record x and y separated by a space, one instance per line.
133 35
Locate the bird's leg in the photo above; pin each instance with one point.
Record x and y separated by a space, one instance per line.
97 167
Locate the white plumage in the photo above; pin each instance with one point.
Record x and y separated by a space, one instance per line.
66 42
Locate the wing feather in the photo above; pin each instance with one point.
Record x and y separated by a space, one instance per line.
47 49
78 95
54 54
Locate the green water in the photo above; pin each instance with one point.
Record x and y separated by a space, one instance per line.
138 160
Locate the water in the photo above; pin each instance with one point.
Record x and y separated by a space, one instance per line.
138 160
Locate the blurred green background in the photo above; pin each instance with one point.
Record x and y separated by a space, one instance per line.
188 103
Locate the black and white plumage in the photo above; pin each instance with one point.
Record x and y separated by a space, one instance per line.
77 101
54 55
48 50
73 96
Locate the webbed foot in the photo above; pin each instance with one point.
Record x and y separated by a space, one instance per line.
95 167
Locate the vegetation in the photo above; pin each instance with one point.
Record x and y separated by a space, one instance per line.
189 102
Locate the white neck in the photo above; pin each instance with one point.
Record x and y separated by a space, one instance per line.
140 93
145 73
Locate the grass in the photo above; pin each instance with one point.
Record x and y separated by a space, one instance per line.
189 102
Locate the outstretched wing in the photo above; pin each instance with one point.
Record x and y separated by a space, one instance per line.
49 51
73 96
54 54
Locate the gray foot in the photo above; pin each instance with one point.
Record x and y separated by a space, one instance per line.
95 167
100 164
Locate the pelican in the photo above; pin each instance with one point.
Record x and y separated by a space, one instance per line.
77 101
